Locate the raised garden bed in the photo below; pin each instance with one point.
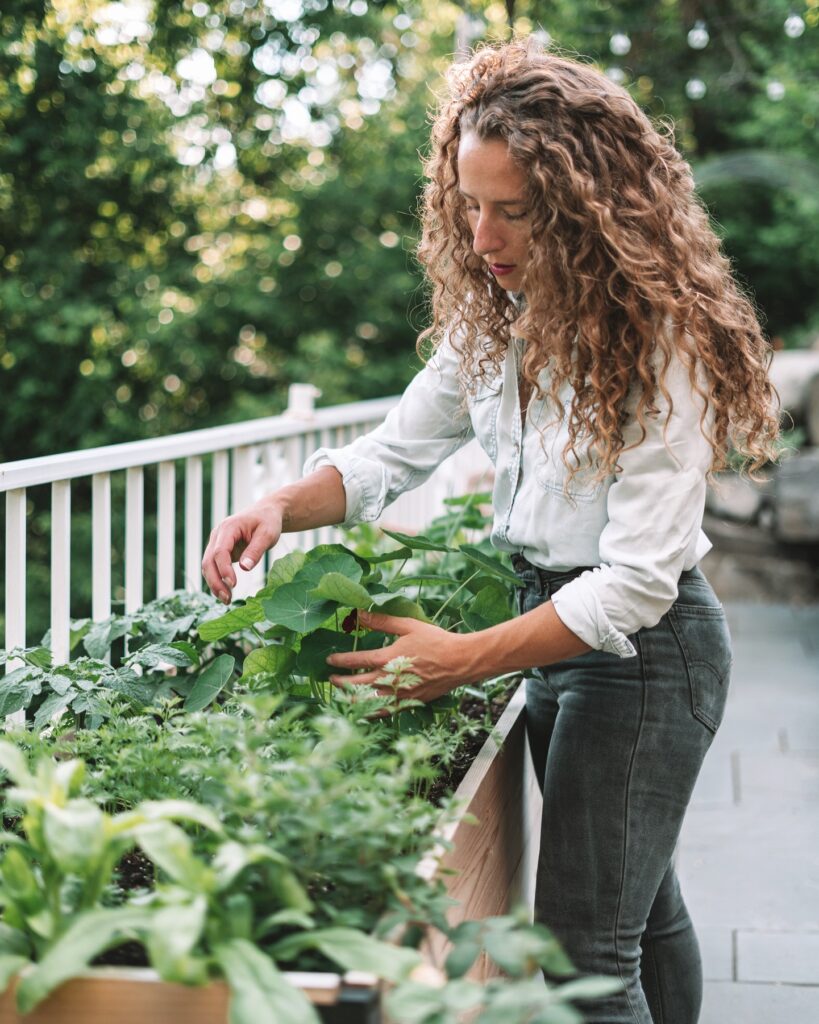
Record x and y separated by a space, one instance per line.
489 869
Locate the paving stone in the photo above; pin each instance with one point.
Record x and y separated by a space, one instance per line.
778 957
737 1003
751 868
774 777
717 951
714 783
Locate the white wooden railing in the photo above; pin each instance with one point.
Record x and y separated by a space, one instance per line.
246 460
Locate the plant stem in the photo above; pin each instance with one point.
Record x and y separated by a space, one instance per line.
454 592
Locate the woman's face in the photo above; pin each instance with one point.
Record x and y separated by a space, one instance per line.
493 188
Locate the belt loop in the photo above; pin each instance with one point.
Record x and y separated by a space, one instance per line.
539 582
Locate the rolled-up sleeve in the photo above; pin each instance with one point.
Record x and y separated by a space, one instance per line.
430 422
655 508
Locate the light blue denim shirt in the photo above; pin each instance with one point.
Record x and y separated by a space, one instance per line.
640 527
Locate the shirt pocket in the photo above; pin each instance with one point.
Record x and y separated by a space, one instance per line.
484 407
552 473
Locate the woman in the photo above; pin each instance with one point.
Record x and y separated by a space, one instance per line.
587 330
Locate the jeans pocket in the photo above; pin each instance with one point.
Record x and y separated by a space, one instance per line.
703 636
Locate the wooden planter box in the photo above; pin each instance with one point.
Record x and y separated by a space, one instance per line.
494 863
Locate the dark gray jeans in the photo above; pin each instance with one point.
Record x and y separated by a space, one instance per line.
617 744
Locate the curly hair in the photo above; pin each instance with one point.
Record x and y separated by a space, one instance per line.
624 270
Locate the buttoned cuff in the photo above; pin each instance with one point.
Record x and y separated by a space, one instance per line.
580 610
364 480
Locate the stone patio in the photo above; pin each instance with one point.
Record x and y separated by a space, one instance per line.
749 851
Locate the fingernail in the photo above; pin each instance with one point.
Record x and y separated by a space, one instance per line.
330 659
224 598
246 563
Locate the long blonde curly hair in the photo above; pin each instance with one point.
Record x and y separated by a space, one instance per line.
624 270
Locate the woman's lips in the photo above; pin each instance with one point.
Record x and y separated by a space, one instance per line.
501 269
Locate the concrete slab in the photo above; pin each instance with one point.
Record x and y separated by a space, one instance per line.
777 777
790 957
717 952
737 1003
751 867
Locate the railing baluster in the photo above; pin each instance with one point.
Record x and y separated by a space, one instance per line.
15 573
242 466
242 478
165 528
101 546
60 570
193 523
219 489
134 524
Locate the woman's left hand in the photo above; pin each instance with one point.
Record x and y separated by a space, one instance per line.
441 660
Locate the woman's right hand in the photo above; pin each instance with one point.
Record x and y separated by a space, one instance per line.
241 538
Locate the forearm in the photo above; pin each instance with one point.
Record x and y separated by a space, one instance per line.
317 500
536 638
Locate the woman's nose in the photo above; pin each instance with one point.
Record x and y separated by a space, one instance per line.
486 238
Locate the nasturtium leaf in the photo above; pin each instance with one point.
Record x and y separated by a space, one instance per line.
236 619
314 569
291 606
312 658
418 543
210 683
284 569
335 587
397 604
259 992
489 607
353 950
492 565
270 660
323 551
90 933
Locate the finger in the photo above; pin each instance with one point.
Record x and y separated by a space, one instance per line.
223 565
359 659
212 577
260 541
365 679
399 625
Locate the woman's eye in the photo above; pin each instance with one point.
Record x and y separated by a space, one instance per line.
517 216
